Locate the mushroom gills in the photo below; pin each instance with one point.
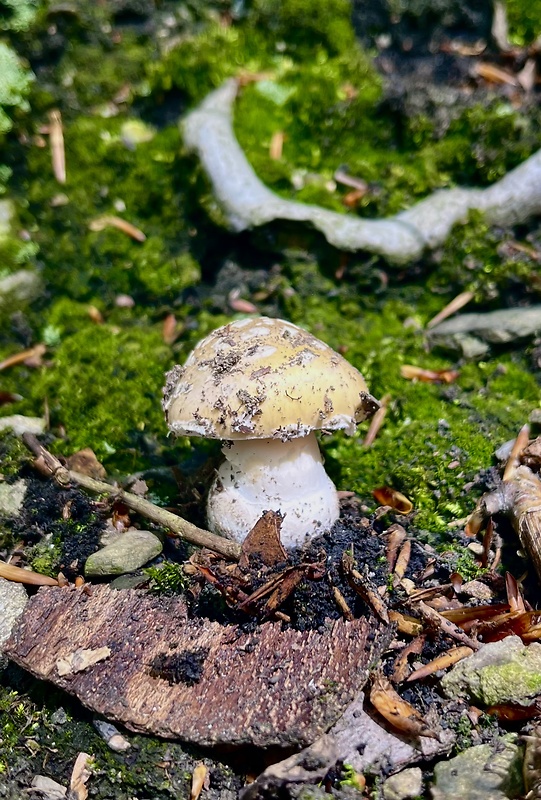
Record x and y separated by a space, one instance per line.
261 475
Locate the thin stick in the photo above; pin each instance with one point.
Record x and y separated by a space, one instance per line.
377 421
49 464
455 305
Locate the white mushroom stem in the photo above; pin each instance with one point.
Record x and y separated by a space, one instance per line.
269 475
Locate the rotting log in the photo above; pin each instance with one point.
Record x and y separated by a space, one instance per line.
194 679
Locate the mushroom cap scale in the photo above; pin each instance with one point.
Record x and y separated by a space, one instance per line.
264 378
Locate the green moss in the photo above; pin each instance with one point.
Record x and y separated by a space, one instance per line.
167 578
15 83
45 557
524 19
90 388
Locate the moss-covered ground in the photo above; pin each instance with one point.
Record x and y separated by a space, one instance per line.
405 132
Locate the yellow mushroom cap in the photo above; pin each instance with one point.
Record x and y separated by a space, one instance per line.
264 378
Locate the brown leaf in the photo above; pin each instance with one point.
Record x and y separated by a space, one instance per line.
508 712
401 667
387 496
446 660
263 542
86 463
9 397
397 711
80 776
411 373
403 560
20 575
406 624
200 781
395 537
514 597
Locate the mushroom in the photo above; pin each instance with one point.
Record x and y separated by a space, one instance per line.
265 386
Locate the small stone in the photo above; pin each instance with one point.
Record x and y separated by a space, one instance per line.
129 552
404 785
112 736
484 772
11 498
19 288
13 599
500 672
48 789
20 424
477 589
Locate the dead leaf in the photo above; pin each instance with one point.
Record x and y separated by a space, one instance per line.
395 537
406 624
263 543
19 575
85 462
514 596
80 660
200 781
392 498
95 315
413 373
401 667
80 776
397 711
446 660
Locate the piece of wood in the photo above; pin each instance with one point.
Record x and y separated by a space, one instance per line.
194 680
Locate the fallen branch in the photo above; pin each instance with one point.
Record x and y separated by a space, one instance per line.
50 465
247 202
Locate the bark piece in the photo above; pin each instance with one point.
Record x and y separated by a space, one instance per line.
194 680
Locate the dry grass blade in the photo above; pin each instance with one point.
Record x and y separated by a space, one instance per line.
343 177
33 355
521 442
398 712
396 535
56 140
451 308
377 421
276 145
112 221
446 660
436 619
493 74
403 560
414 373
341 602
19 575
401 667
410 626
363 586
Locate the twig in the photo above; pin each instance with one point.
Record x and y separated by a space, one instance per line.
446 626
49 464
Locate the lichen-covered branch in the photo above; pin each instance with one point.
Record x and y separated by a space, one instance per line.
247 202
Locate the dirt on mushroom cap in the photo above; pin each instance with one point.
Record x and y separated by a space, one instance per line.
264 378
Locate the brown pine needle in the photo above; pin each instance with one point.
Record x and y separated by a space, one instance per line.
451 308
405 624
446 660
521 442
434 618
112 221
377 421
19 575
398 712
56 141
403 560
34 355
